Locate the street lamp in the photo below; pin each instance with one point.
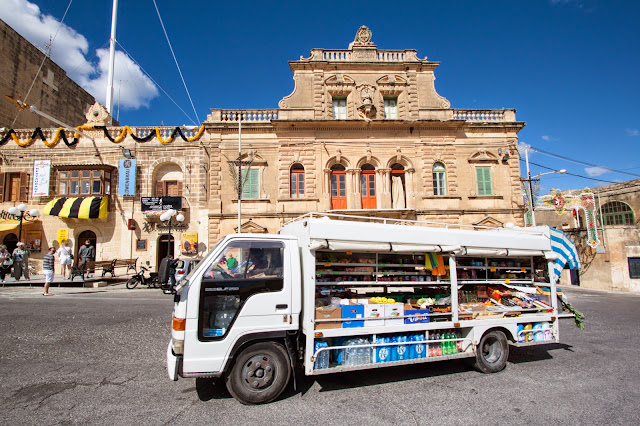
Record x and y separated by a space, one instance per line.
166 217
21 211
537 179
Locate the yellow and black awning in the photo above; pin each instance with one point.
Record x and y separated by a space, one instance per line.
78 207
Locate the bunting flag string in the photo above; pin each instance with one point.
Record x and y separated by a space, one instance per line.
60 135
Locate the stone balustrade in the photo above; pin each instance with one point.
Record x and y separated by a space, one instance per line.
484 114
363 54
248 115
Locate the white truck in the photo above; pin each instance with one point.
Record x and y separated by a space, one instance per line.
336 293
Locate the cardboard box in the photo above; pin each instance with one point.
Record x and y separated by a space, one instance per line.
328 312
418 316
372 311
393 310
352 311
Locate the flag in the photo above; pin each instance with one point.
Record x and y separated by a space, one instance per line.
565 251
430 261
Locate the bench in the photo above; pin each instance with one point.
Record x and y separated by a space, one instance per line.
130 264
107 266
92 265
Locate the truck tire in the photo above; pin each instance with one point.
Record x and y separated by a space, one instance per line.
492 352
259 374
132 283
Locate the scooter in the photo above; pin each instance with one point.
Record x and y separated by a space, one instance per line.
139 278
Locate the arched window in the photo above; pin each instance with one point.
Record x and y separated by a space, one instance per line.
338 187
617 213
168 180
297 181
398 189
439 179
368 187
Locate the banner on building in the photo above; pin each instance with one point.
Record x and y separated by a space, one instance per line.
63 235
189 242
41 178
127 177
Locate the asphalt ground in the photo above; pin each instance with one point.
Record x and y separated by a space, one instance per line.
97 356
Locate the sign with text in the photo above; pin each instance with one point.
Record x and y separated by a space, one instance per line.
63 235
41 177
127 177
189 242
161 203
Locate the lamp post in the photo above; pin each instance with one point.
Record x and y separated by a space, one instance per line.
537 179
21 211
167 218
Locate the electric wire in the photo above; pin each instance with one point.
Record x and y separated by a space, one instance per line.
44 58
156 83
175 60
551 154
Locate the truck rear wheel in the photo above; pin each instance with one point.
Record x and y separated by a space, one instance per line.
260 373
492 352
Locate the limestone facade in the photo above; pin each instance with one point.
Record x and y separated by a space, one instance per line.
612 266
364 132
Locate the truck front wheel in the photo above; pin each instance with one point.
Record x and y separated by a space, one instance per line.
260 373
492 352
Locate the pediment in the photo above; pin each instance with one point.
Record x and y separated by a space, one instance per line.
392 80
250 227
483 157
339 84
489 222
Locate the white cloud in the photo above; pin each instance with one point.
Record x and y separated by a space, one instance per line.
596 171
633 132
70 50
549 138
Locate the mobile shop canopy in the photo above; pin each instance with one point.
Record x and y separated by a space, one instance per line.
78 207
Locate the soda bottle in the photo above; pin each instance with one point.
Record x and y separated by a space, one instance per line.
459 342
438 344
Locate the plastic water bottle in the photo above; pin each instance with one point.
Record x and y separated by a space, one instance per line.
538 335
402 349
366 353
412 348
459 342
322 361
394 348
546 330
520 333
419 348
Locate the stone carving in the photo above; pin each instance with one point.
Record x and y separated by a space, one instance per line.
363 38
367 109
98 115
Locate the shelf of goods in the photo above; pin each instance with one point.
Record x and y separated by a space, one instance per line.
356 291
388 349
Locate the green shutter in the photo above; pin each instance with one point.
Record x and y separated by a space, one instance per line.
483 179
250 186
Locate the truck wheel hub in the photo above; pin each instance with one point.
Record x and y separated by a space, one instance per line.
258 372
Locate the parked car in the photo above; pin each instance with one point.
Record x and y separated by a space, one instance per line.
184 267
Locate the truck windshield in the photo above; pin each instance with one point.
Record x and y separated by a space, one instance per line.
243 269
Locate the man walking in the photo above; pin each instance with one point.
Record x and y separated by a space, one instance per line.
48 264
86 253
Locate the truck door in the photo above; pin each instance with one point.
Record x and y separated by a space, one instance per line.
244 293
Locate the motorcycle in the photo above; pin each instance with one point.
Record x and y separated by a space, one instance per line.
140 278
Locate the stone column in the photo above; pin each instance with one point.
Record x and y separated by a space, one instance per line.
325 199
409 187
358 191
351 189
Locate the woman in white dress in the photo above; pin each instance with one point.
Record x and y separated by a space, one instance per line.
64 254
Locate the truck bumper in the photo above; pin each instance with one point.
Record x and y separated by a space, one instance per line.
174 364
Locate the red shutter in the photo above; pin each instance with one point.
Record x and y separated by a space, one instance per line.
24 187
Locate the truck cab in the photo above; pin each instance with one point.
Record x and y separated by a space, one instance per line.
232 315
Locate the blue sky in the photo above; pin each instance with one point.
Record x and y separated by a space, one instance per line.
569 67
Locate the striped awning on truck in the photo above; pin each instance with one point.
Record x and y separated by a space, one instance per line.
78 207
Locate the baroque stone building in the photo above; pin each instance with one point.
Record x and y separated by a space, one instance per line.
364 132
615 263
27 70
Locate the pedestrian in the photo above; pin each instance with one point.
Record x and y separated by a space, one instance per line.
5 262
167 271
48 265
86 254
65 256
20 267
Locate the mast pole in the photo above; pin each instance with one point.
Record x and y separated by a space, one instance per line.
112 58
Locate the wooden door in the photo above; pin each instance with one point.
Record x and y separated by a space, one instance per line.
368 189
338 190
